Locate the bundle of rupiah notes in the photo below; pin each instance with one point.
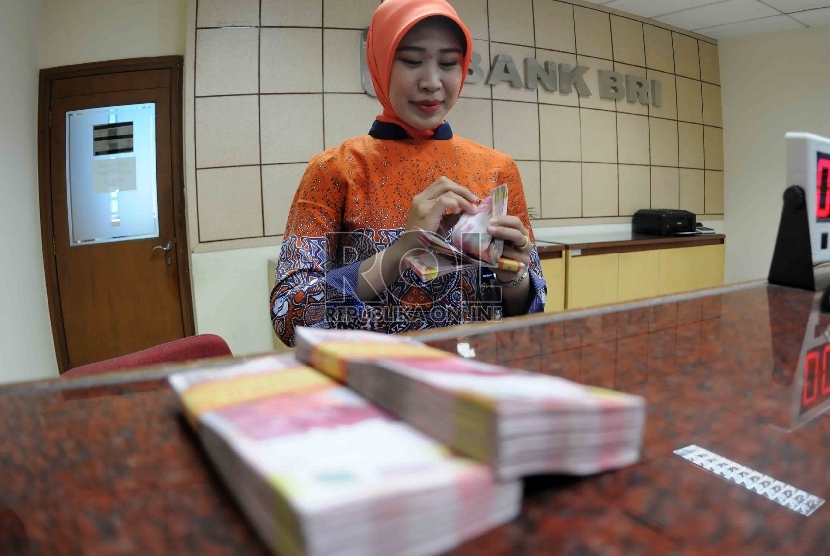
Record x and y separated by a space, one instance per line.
517 422
319 470
469 243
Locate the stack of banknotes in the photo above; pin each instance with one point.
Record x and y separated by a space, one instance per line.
470 244
517 422
319 470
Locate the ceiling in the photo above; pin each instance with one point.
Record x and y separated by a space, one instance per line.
728 18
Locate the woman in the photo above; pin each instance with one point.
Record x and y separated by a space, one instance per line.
342 258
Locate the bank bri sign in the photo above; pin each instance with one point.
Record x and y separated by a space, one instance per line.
561 78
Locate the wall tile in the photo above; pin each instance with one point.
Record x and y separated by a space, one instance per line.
632 139
292 127
351 14
226 62
561 189
635 189
624 105
593 33
599 135
473 118
227 141
531 174
595 162
691 190
504 90
511 21
592 80
290 61
712 109
690 137
709 63
599 190
665 188
663 140
347 116
560 133
291 13
341 61
668 108
689 101
480 90
516 129
713 148
554 97
686 58
279 184
629 45
554 23
659 51
230 203
221 13
474 15
714 192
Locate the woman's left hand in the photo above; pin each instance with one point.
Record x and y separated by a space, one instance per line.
517 244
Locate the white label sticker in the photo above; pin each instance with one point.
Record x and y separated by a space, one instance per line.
777 491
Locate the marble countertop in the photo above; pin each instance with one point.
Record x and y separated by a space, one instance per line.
107 464
597 239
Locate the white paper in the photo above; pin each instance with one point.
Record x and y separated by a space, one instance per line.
113 174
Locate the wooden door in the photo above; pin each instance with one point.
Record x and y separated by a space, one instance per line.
119 289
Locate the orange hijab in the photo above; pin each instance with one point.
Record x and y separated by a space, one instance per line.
392 20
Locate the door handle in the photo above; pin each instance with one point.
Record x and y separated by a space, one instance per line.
166 247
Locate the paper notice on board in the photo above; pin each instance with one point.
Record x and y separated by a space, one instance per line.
117 174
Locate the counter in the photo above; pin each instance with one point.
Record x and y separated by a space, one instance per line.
620 242
106 464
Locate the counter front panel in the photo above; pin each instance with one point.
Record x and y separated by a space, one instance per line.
107 465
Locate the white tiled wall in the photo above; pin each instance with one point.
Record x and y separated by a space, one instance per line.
277 81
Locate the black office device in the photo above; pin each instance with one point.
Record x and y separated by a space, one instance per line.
801 258
664 222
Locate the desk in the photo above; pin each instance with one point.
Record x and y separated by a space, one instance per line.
106 464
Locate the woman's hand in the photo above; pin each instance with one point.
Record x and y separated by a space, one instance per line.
443 200
517 245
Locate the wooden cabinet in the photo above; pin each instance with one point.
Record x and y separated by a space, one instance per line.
628 274
553 269
690 268
591 280
638 276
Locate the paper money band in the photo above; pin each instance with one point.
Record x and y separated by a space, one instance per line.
332 358
510 264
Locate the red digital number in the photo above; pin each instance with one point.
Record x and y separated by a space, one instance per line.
810 379
825 384
822 193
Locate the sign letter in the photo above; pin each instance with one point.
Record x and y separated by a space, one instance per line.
637 89
475 74
534 72
656 93
573 78
611 85
504 69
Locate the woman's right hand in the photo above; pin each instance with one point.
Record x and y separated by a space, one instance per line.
443 198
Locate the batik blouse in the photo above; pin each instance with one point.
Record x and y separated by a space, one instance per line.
352 202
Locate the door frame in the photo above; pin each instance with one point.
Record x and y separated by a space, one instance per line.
48 77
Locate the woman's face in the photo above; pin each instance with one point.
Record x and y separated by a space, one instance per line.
426 74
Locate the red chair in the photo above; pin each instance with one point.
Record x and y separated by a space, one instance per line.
201 346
